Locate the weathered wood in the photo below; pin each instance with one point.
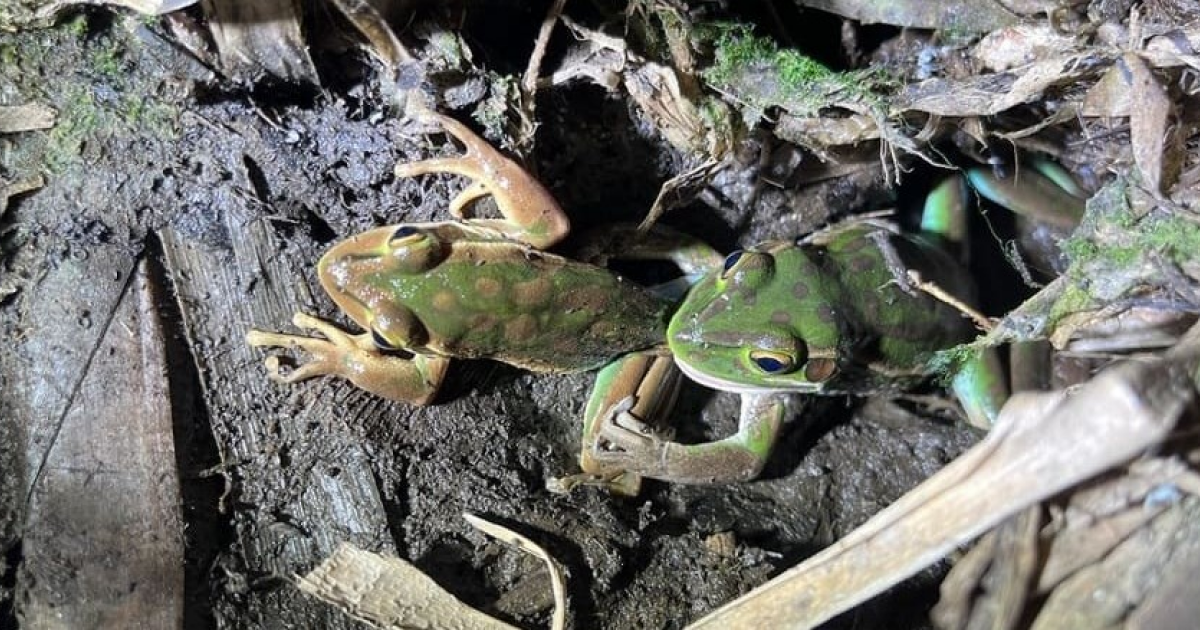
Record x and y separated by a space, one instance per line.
104 542
260 38
301 488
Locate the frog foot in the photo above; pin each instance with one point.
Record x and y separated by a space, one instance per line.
531 215
618 482
625 442
414 379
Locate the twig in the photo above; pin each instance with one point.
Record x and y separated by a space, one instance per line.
981 321
558 583
530 79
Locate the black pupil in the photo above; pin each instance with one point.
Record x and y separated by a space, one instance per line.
404 231
732 259
769 364
380 342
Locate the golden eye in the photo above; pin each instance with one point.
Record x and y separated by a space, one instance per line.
404 235
731 262
381 342
771 362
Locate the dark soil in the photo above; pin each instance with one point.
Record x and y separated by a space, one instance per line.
232 196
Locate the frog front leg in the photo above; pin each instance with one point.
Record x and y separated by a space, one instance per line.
624 441
414 378
531 215
643 384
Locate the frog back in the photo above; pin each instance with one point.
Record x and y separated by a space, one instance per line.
530 308
889 327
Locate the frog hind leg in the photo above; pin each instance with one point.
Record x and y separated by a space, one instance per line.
414 379
979 382
980 387
1045 192
644 384
530 213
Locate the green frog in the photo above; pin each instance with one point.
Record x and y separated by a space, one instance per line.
835 313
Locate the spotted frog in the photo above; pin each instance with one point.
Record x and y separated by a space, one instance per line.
835 313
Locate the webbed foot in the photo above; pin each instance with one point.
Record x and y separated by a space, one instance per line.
414 379
530 213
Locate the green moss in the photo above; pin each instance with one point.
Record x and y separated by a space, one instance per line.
493 112
79 119
945 364
1075 298
8 55
141 114
736 48
107 59
760 74
1178 239
77 26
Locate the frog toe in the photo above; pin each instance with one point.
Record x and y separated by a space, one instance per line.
469 195
464 166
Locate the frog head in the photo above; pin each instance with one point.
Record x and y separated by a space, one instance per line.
364 274
766 321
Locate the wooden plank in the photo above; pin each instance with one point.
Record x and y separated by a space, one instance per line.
261 37
104 538
299 485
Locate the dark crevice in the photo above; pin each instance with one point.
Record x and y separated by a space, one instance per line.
258 180
13 557
206 529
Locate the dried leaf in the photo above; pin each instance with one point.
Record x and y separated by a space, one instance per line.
973 16
261 38
391 593
27 117
1040 445
1022 44
1155 148
1110 96
989 94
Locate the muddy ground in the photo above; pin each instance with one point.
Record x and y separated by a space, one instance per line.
229 196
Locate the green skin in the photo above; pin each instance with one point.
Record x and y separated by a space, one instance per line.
833 314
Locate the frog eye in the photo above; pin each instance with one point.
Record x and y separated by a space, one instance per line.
731 262
403 235
771 362
381 342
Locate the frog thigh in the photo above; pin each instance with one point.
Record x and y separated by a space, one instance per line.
980 387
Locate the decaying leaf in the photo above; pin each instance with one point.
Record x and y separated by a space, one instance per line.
19 14
27 117
391 593
988 94
976 16
1110 96
1041 444
1129 252
257 38
1152 126
1021 44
